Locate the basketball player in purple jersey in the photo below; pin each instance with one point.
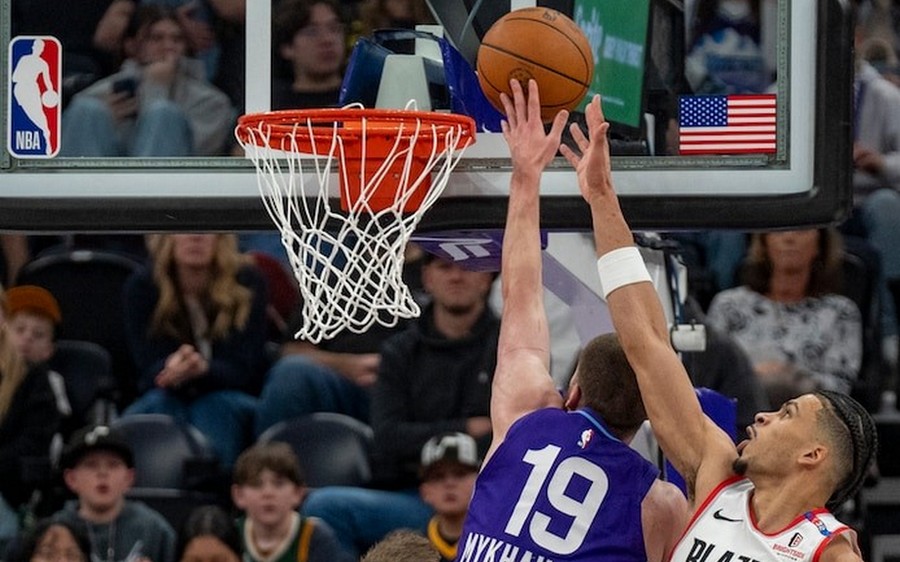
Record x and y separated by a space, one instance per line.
559 481
766 499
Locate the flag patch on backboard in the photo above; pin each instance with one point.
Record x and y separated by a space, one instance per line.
737 124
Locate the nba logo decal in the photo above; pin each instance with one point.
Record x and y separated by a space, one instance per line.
35 77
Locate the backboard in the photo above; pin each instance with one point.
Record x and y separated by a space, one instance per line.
802 177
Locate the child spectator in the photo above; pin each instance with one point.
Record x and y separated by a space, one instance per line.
29 419
449 467
268 486
51 540
98 466
209 535
33 318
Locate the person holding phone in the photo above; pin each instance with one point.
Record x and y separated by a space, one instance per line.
158 104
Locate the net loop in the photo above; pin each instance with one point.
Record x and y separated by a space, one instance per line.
392 165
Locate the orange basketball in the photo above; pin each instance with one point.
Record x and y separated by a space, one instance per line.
538 43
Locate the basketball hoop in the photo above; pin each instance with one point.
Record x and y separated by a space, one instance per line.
392 165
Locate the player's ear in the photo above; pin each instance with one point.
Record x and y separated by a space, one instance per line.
573 398
813 455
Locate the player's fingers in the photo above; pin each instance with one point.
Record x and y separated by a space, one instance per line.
509 109
559 123
578 137
569 155
518 98
533 101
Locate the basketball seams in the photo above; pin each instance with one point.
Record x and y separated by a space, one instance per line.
515 49
579 48
528 61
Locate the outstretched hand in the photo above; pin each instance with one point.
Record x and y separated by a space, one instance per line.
530 147
592 164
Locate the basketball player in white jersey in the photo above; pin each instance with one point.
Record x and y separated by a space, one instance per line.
766 499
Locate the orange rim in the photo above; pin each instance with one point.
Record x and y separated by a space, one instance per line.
319 125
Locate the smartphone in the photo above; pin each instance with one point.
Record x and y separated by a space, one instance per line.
127 85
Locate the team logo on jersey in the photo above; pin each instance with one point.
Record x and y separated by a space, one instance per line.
34 114
586 437
795 540
814 519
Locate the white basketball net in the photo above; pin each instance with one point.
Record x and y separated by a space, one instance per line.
348 265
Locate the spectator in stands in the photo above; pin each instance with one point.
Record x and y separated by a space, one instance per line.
335 375
268 487
725 54
209 535
91 33
33 317
52 540
449 467
402 546
29 419
311 39
380 14
98 467
876 177
196 326
158 104
434 377
799 333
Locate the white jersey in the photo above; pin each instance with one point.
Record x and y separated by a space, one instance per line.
723 529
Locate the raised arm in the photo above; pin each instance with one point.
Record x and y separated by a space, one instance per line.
522 380
701 452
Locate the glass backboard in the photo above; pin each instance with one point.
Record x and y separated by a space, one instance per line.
800 64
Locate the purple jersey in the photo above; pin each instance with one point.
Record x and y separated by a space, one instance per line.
559 487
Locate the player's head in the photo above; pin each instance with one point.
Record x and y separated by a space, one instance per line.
37 47
826 434
605 382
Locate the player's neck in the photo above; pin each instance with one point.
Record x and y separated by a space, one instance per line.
777 501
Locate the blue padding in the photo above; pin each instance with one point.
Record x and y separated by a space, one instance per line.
366 64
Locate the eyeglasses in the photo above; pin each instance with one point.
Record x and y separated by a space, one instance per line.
324 30
58 555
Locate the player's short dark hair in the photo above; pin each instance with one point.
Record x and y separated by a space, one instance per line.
402 546
854 439
608 384
275 456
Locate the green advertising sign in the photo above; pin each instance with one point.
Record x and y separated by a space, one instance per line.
617 32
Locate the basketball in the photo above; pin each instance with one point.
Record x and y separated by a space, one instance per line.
49 98
537 43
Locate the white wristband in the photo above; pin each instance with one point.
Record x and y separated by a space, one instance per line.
620 267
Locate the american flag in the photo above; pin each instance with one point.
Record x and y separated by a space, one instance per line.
726 124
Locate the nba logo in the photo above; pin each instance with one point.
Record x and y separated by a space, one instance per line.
35 77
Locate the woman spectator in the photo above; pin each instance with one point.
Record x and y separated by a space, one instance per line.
798 332
159 103
196 328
